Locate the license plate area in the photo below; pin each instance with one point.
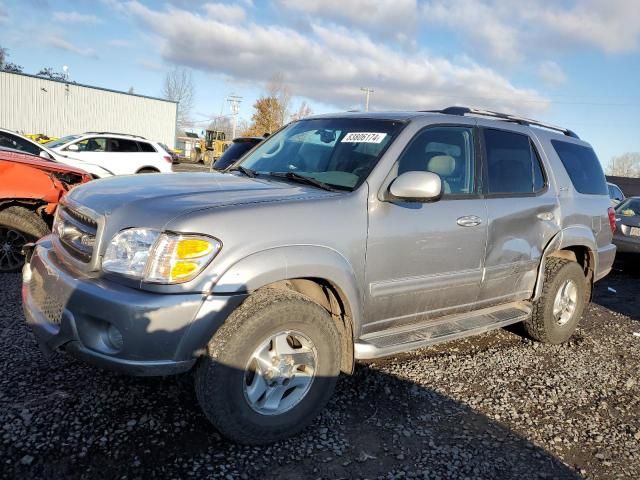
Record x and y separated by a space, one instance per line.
47 302
635 231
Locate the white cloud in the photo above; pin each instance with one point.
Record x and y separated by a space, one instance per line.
225 13
62 44
483 22
397 17
551 73
75 18
511 31
612 26
329 64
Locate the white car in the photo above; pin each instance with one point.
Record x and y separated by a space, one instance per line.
119 153
15 141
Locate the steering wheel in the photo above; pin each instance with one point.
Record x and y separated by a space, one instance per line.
276 151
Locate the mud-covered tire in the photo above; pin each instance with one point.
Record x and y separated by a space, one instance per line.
18 225
544 325
221 376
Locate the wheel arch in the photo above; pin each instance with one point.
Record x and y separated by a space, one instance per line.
576 243
148 168
319 273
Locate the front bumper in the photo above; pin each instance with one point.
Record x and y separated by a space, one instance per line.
117 327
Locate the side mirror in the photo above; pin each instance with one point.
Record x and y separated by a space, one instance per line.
417 187
44 154
73 148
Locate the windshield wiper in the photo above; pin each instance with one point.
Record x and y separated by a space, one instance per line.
247 171
303 179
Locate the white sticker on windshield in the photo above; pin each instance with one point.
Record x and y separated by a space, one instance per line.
363 137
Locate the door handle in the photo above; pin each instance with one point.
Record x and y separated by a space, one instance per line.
469 221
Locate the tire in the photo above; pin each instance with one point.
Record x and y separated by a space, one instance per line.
147 170
224 377
18 225
547 325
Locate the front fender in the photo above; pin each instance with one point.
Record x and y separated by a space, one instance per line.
574 236
299 261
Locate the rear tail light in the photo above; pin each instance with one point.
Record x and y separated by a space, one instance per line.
612 219
167 159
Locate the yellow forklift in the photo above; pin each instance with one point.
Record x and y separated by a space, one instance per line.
210 148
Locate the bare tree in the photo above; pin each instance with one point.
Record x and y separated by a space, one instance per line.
304 110
625 165
178 86
279 90
8 66
271 111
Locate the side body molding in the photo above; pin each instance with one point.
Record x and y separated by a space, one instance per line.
573 236
297 261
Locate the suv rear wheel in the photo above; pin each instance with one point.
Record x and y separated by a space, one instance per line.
270 369
558 310
18 226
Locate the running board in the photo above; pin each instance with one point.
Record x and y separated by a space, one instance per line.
452 327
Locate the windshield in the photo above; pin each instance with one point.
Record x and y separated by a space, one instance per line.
62 141
339 152
629 208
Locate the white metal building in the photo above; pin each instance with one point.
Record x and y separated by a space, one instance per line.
30 104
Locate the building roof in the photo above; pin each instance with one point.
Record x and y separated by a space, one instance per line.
89 86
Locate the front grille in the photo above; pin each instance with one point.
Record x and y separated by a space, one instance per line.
50 307
77 233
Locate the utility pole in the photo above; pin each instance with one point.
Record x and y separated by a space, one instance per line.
368 91
234 106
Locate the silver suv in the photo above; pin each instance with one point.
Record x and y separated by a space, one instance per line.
341 237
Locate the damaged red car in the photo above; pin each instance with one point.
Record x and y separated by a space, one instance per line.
30 189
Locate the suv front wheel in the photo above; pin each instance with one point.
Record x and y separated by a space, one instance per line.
270 369
557 312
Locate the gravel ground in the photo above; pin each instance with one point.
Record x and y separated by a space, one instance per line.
496 406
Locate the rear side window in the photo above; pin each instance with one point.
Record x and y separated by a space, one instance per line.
17 143
146 147
122 145
513 165
583 167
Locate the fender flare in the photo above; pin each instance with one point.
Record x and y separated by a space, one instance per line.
573 236
289 262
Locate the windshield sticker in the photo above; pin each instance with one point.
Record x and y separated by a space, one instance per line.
363 137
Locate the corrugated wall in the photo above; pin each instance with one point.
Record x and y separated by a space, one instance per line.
37 105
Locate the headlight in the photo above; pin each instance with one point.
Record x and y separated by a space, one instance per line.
159 257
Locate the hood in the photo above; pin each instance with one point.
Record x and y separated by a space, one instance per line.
39 163
151 200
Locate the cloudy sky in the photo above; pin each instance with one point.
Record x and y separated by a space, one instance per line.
570 62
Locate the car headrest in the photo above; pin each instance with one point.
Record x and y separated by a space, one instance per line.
443 165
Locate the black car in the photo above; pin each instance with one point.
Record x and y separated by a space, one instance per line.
237 149
171 152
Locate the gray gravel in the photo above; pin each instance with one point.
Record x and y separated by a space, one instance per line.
496 406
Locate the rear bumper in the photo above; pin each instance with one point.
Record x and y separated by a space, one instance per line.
627 244
117 327
606 257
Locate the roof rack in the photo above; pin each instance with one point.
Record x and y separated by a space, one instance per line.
462 111
115 133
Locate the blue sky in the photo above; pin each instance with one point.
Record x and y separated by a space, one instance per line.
574 63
